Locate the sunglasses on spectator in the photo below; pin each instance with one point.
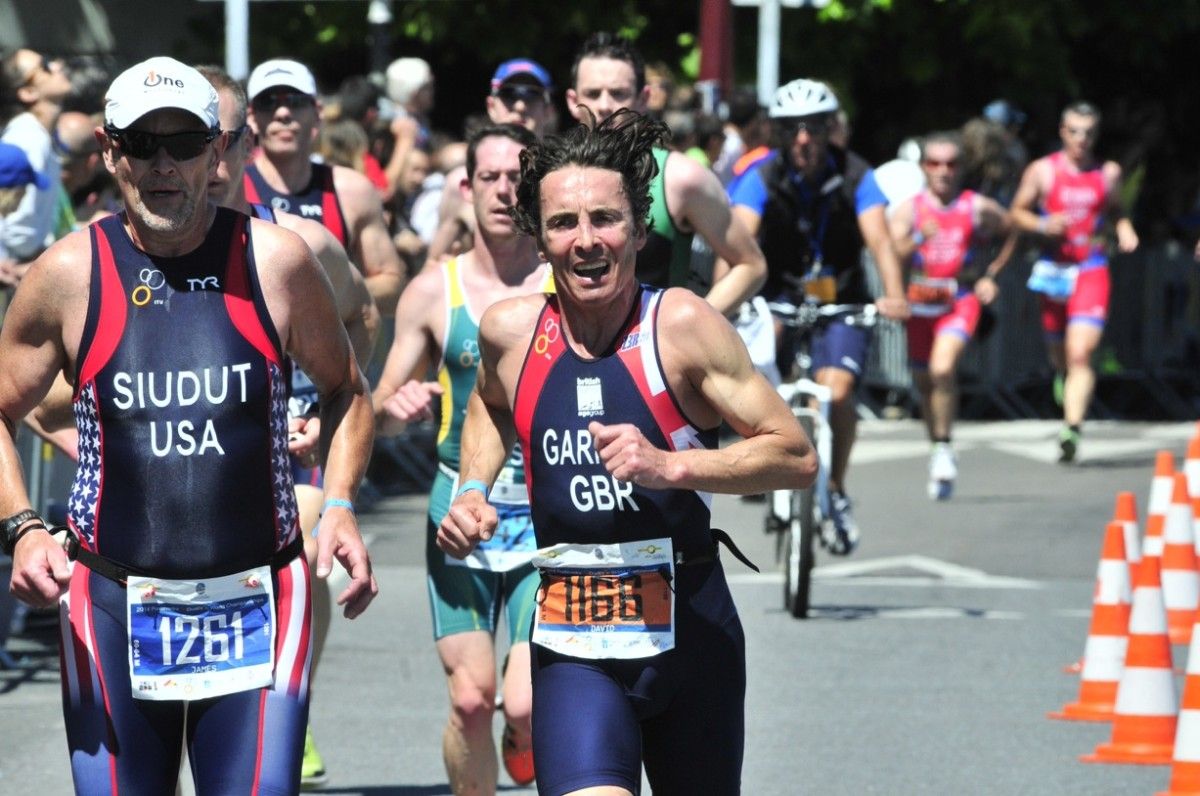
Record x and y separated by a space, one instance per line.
948 164
143 146
269 101
527 94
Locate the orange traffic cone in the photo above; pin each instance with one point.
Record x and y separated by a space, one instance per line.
1181 582
1125 512
1104 653
1161 487
1185 770
1145 713
1191 465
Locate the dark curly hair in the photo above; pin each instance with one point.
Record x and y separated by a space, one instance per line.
622 143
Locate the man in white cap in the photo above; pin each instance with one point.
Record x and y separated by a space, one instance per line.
189 614
285 116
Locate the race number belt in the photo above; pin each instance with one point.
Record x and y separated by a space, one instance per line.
1054 280
513 544
606 600
195 639
930 297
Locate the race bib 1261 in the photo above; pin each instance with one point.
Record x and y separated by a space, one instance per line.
195 639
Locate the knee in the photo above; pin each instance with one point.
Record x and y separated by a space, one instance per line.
941 375
1079 356
471 705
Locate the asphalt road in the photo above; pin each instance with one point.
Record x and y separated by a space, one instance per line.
930 661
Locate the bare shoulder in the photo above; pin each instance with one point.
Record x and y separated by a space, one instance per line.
354 190
685 178
281 255
313 233
68 259
684 315
510 321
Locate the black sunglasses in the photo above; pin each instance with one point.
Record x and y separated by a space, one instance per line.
812 124
528 94
268 101
236 133
143 145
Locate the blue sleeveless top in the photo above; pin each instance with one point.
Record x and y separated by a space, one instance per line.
181 407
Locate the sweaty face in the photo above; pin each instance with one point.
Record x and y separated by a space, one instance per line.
164 194
225 180
940 164
605 85
588 233
494 185
1078 134
285 121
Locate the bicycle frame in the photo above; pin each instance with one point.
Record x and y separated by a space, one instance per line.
798 394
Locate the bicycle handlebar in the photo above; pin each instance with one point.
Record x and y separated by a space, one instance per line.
806 314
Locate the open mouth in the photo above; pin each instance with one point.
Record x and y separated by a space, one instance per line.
591 270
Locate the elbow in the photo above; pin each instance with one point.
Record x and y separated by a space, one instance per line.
806 469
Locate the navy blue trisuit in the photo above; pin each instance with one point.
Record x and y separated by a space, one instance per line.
680 712
181 407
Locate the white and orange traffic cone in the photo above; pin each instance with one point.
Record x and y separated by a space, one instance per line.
1161 487
1191 465
1104 653
1146 710
1181 582
1185 767
1124 512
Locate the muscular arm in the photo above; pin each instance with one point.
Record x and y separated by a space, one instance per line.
298 290
900 226
371 246
1024 205
872 223
32 353
355 307
1127 237
414 348
706 210
710 371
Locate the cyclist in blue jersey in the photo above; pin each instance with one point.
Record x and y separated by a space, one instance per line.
812 211
616 391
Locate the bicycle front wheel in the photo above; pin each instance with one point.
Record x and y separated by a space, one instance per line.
799 534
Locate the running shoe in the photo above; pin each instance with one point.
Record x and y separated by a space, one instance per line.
1068 445
840 534
943 469
312 767
517 762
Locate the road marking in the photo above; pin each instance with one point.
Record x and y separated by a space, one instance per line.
935 573
929 612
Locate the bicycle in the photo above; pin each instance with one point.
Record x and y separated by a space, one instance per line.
800 515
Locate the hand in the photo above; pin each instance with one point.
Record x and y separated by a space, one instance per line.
894 307
1127 239
304 437
470 520
629 456
929 228
413 401
1053 225
11 271
40 570
986 290
339 538
405 128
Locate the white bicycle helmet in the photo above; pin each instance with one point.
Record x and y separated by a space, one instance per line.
802 98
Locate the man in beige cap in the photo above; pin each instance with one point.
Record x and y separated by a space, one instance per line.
187 613
285 116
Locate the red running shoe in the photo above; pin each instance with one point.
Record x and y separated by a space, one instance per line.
518 762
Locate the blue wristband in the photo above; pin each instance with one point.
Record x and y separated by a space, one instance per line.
337 503
473 484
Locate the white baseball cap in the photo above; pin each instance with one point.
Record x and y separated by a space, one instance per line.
281 72
155 84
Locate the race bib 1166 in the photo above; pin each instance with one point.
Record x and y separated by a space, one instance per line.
195 639
606 601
